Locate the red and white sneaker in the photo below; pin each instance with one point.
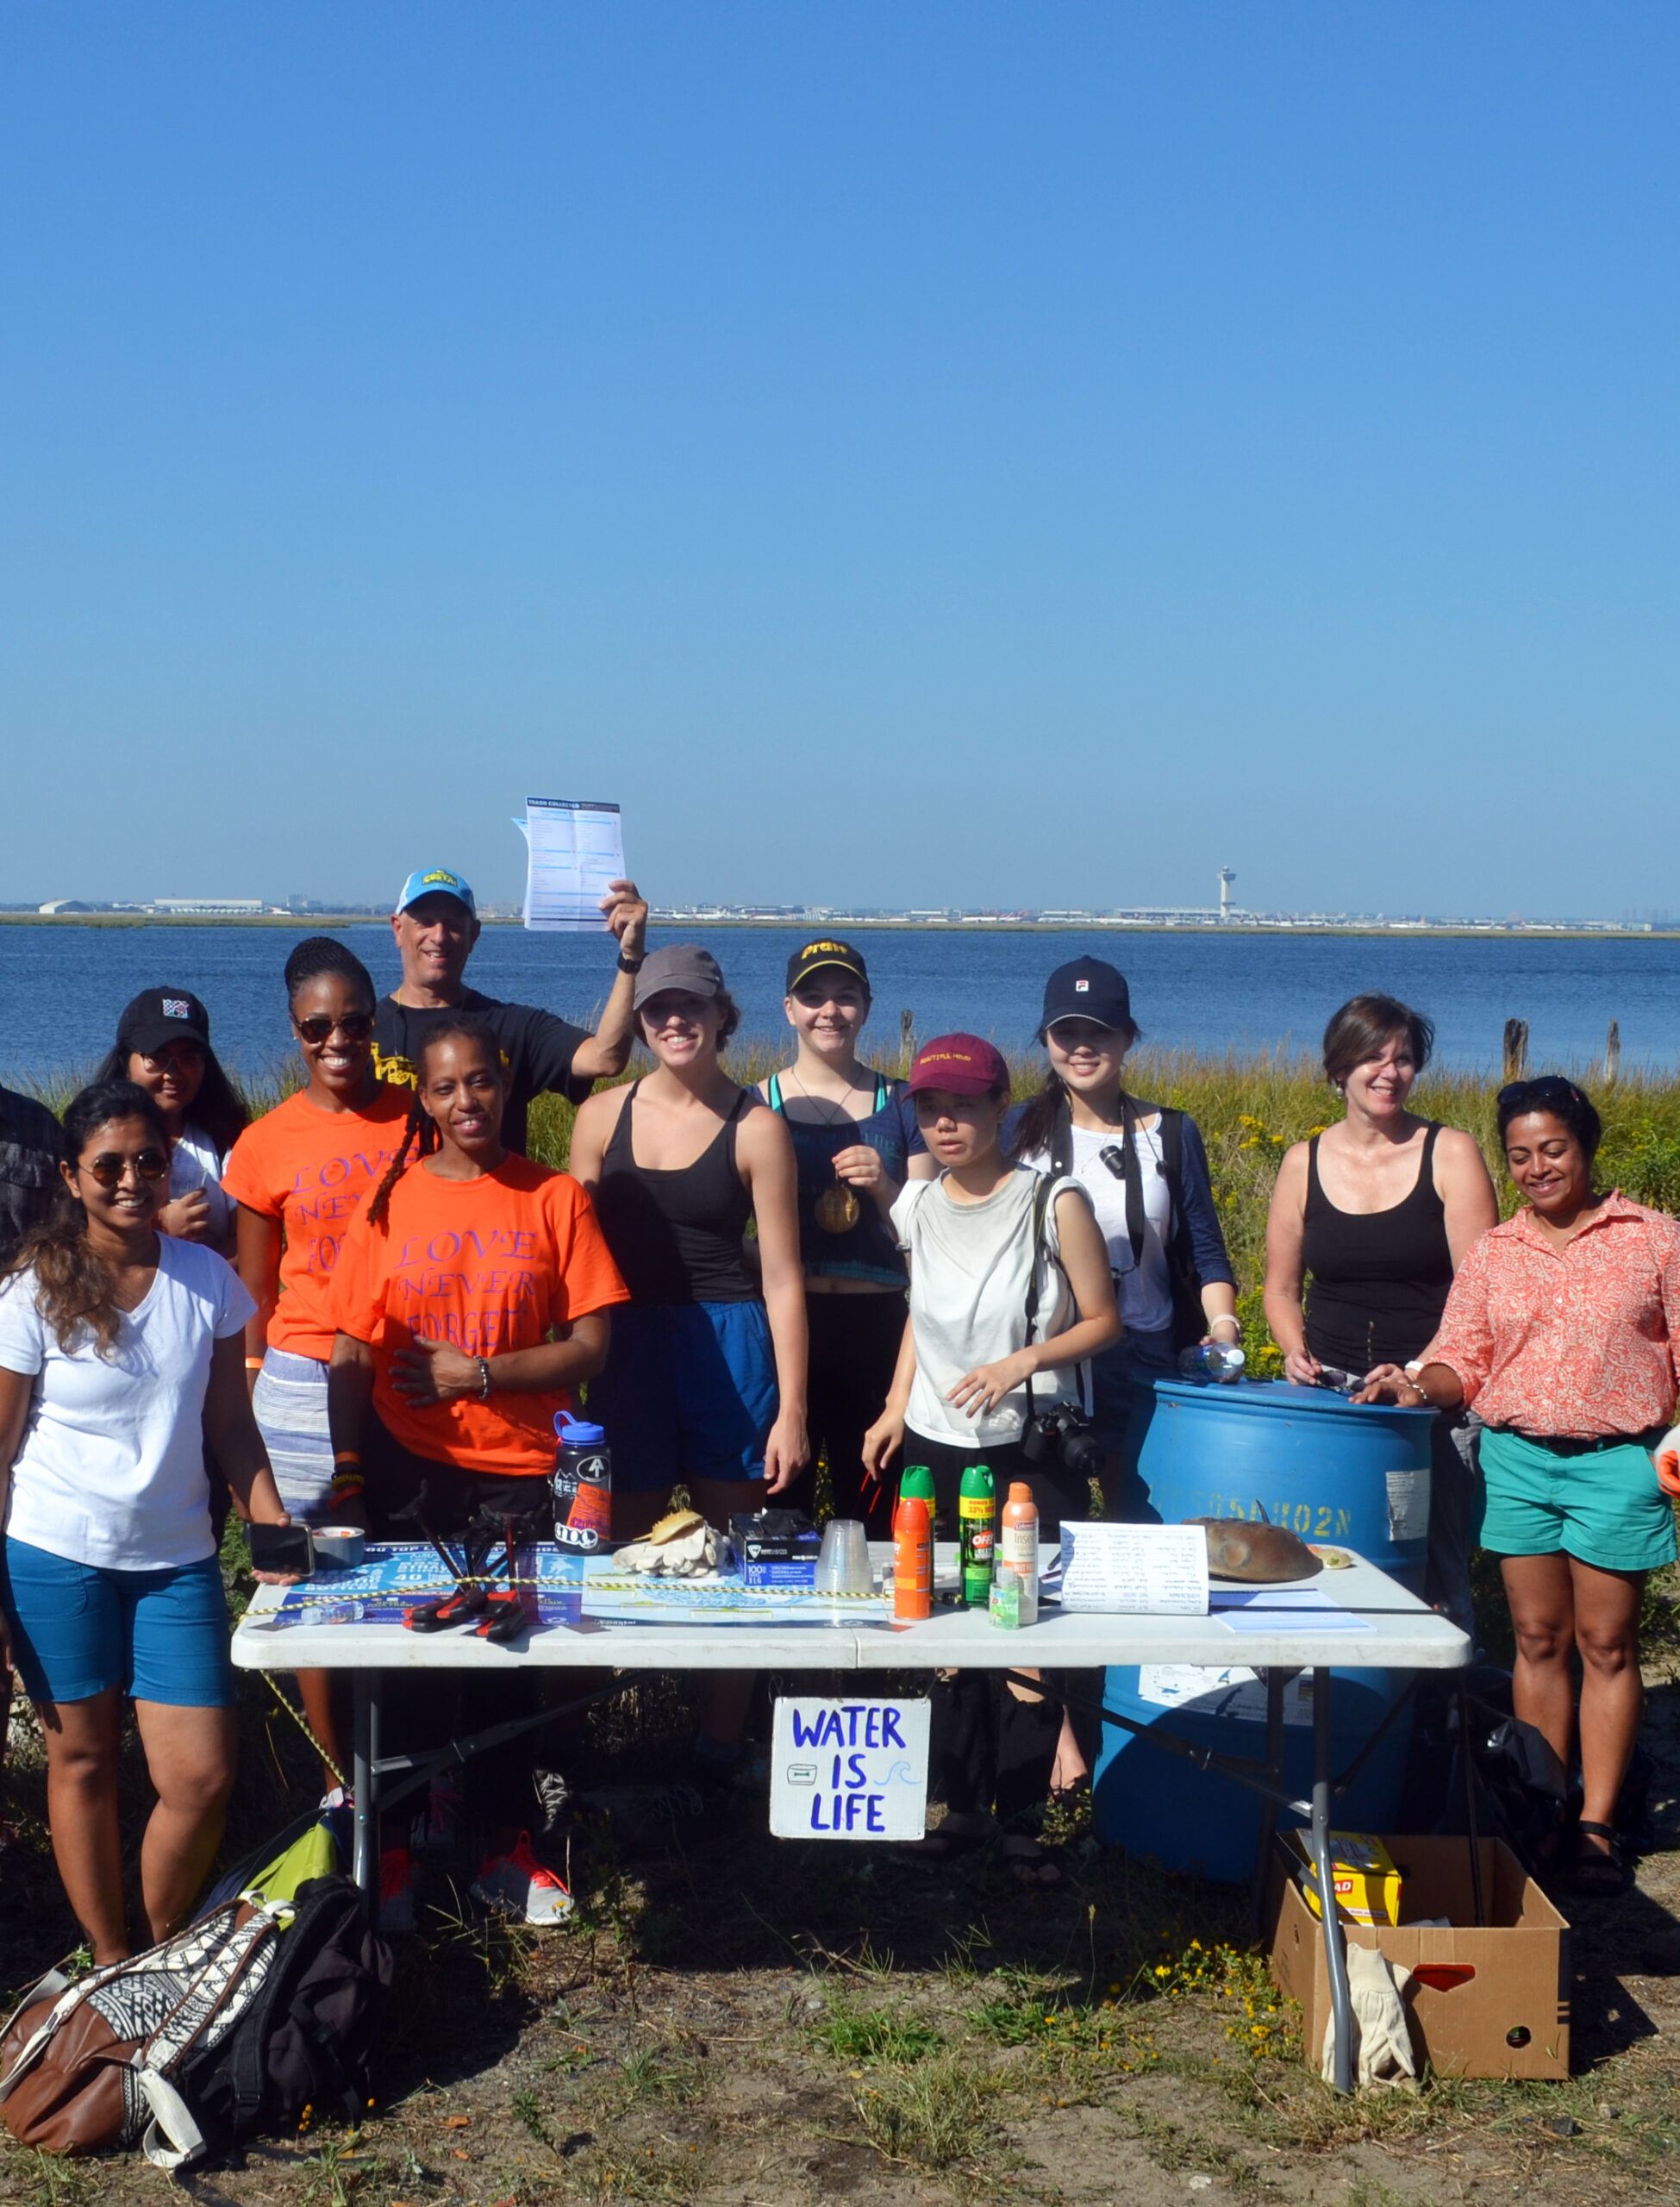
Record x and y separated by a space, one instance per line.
516 1883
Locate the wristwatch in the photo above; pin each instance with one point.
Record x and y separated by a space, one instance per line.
631 965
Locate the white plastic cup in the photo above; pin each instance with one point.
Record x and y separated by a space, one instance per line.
842 1563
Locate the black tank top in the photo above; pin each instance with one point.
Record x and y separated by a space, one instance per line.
676 1236
1379 1279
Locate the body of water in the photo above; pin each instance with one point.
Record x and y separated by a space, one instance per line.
61 987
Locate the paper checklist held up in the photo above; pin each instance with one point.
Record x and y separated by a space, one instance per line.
574 853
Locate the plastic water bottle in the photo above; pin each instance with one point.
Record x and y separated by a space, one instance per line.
1212 1360
582 1476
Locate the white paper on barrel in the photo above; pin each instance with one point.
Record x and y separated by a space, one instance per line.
574 853
1156 1571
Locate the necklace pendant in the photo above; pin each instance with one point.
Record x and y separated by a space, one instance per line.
838 1210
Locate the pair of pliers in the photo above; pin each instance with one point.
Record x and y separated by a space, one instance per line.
469 1598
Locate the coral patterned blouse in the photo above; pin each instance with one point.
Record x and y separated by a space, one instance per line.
1577 1342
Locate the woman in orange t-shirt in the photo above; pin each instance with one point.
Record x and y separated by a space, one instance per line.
470 1295
299 1174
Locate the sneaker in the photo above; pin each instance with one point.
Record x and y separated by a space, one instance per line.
396 1890
554 1800
441 1822
517 1884
644 1817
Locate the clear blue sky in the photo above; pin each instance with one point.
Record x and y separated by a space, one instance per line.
959 454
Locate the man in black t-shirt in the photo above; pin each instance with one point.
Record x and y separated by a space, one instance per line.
436 924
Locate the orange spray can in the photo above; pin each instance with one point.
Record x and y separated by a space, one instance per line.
1018 1551
913 1559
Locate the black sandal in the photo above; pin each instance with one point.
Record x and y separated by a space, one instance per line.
1033 1862
1602 1877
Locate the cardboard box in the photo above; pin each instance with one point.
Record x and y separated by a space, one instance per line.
1482 2002
1367 1884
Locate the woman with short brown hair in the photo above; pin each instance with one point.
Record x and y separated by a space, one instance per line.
1379 1208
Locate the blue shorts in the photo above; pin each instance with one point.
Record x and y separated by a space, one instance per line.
1602 1505
689 1393
78 1630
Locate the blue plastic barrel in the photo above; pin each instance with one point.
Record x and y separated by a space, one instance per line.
1330 1470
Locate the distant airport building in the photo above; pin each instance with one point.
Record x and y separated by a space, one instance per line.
65 905
209 908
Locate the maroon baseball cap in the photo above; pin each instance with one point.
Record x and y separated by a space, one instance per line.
961 1065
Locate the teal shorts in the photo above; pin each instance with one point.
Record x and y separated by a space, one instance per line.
1603 1506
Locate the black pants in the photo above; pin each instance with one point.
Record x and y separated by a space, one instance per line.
854 1350
990 1749
425 1709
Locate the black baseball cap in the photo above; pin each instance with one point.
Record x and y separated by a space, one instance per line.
1089 988
158 1017
827 950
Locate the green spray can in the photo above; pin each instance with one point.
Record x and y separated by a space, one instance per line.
976 1513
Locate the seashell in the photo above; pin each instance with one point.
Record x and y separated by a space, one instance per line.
673 1526
1253 1554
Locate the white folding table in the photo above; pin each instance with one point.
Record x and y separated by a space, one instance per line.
1403 1635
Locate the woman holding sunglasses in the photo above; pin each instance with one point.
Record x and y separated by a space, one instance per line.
163 1045
1561 1329
119 1367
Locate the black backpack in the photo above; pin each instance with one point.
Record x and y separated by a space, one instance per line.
306 2041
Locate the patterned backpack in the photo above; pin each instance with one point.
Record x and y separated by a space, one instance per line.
87 2067
231 2026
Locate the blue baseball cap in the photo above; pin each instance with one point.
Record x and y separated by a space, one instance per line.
436 881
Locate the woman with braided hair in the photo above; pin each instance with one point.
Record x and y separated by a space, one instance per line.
471 1295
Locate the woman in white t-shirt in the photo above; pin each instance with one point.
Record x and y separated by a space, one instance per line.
163 1045
1171 1273
977 1364
121 1356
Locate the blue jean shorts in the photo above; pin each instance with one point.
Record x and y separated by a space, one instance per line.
77 1630
689 1393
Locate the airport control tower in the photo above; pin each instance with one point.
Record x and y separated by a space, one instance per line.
1226 879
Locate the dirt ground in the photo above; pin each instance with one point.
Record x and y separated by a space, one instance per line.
733 2018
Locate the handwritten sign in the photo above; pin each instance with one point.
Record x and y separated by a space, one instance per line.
1145 1569
849 1769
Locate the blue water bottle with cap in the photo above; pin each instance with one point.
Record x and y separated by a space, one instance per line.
582 1478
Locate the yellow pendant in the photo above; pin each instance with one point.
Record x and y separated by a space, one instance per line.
837 1209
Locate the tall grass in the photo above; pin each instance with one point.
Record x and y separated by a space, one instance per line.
1250 1108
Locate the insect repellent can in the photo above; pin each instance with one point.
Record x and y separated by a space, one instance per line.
912 1557
1018 1550
583 1477
977 1525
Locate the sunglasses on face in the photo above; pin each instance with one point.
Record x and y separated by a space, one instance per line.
151 1165
354 1026
177 1055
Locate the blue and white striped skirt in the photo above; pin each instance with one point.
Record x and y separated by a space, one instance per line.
290 1404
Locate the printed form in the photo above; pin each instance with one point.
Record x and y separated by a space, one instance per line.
574 854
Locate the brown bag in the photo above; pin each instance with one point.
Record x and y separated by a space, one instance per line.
85 2068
